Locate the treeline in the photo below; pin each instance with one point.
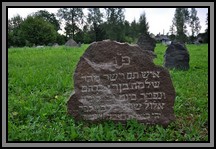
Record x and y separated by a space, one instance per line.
42 27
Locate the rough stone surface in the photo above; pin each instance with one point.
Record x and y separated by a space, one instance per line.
146 42
119 82
71 43
177 56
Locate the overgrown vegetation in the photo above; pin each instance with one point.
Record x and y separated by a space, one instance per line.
42 27
40 82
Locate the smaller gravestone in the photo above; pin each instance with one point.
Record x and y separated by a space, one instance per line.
71 43
55 45
50 44
166 42
118 82
79 44
145 42
40 46
177 56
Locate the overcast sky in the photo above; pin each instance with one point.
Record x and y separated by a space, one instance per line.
159 19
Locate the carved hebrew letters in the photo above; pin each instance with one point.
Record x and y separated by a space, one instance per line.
144 116
130 75
116 81
145 76
127 97
120 61
91 78
121 86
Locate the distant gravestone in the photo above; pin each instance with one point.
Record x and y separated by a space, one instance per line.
79 44
71 43
55 45
145 42
119 82
177 56
40 46
49 44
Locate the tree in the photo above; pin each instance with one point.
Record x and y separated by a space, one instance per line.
143 24
134 29
85 35
50 17
73 17
71 30
101 32
181 17
14 34
172 29
207 23
79 36
194 23
115 23
16 21
128 37
37 31
88 35
206 34
127 28
95 19
60 39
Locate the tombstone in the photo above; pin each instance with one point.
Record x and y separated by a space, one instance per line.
71 43
49 44
55 45
166 42
177 56
118 82
40 46
79 44
146 42
196 42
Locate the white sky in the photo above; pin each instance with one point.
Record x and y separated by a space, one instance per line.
159 19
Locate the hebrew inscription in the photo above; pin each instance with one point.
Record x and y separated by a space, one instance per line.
119 82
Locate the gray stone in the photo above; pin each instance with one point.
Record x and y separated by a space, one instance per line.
40 47
49 44
55 45
146 42
177 56
118 82
71 43
79 44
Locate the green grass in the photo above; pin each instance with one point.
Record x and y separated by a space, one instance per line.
40 82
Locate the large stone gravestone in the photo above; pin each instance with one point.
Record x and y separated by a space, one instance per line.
177 56
118 82
146 42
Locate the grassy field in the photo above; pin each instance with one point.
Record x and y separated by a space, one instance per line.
40 83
